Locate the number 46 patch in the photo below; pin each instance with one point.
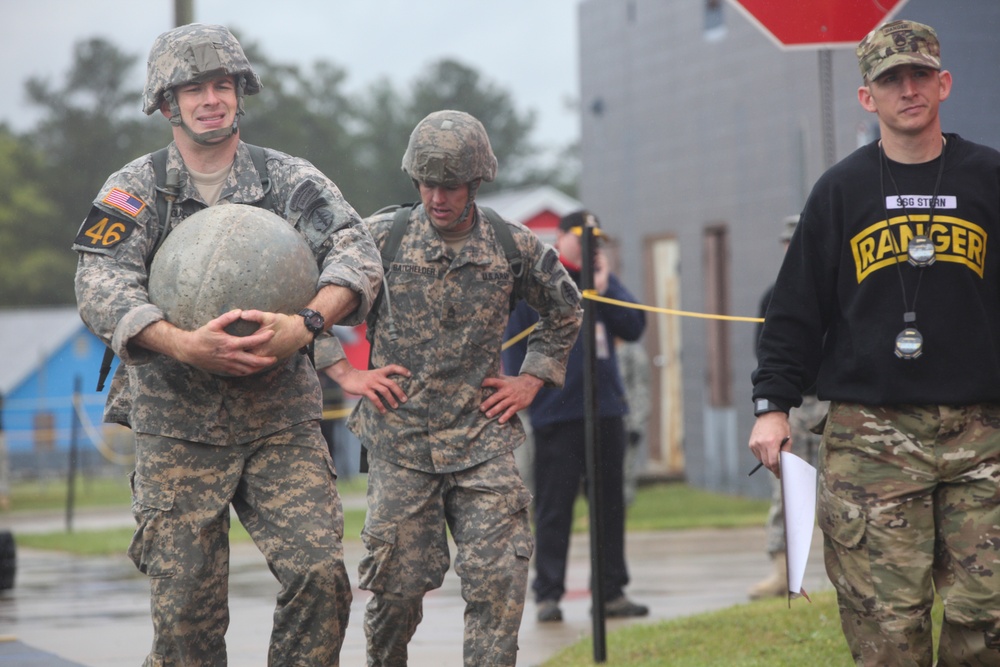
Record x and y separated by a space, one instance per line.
102 231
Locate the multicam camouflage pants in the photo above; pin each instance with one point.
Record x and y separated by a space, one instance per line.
283 488
910 496
486 509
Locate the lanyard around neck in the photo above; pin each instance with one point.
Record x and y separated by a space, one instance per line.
909 309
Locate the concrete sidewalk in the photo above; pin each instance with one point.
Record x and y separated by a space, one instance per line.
70 611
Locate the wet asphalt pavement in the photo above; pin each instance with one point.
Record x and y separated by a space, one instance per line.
72 611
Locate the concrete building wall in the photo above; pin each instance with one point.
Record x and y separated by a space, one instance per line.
692 119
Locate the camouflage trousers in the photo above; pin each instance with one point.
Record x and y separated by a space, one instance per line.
909 502
283 488
805 444
406 542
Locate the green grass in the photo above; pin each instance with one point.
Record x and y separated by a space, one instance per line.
758 634
669 506
675 506
766 633
40 495
51 493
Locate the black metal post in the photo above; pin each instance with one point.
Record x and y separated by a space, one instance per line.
74 435
592 443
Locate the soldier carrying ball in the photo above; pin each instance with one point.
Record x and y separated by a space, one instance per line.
219 419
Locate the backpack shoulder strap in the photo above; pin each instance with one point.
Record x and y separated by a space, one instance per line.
400 220
160 173
506 239
259 157
510 250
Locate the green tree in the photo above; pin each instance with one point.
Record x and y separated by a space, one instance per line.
92 125
448 84
34 270
384 128
305 113
387 117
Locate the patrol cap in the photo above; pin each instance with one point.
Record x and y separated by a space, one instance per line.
898 43
574 223
577 219
788 226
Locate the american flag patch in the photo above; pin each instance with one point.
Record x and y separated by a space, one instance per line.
124 202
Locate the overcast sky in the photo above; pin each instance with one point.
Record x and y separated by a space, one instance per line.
528 47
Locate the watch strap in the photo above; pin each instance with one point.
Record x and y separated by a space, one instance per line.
314 321
762 406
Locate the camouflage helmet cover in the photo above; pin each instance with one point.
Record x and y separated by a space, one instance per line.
449 148
191 53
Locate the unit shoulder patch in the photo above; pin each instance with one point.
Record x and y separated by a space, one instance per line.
102 231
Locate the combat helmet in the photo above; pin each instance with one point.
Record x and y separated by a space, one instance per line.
449 148
193 53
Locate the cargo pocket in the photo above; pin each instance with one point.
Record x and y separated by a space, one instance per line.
848 563
151 505
518 501
374 570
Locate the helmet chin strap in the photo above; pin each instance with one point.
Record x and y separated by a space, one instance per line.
473 188
212 136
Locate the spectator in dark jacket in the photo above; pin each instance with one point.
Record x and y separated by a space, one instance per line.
557 419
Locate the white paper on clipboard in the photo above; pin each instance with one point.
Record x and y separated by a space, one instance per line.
798 495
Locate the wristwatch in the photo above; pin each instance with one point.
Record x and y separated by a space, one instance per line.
762 406
314 321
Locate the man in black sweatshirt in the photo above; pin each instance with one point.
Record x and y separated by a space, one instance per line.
889 301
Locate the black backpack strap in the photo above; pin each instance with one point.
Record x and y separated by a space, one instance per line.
400 220
506 239
163 191
160 173
510 249
259 157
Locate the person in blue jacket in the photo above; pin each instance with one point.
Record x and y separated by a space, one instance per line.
557 418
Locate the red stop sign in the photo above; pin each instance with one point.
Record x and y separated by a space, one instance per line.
802 23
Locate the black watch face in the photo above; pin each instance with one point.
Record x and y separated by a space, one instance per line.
314 321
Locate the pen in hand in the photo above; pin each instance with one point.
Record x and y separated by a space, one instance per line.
758 466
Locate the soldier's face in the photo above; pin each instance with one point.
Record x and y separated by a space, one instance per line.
444 205
906 97
208 105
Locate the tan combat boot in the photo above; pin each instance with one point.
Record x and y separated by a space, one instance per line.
775 585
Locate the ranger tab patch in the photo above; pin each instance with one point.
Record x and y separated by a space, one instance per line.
100 231
124 201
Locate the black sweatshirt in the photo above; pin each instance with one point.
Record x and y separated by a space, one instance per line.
840 296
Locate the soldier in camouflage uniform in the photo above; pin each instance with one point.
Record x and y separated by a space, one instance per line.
441 454
215 425
888 299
